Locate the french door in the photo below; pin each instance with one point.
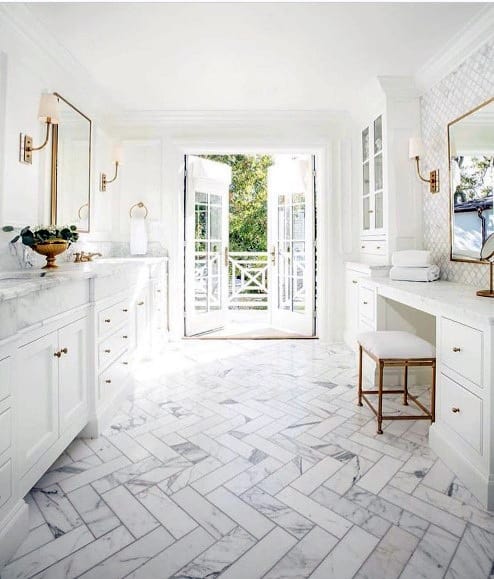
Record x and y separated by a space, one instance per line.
206 244
291 235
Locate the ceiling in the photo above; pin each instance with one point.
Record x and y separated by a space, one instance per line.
202 56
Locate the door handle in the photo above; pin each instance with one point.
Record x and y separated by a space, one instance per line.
226 256
273 255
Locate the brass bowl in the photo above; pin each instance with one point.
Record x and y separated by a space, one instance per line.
50 249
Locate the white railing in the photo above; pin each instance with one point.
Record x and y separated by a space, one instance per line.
247 280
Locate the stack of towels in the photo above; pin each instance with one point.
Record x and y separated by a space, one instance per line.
413 265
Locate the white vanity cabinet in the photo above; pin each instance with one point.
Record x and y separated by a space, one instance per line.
52 387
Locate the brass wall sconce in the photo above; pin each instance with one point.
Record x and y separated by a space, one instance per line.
47 113
104 181
415 150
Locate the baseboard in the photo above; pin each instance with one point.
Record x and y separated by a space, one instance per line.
14 528
478 483
99 421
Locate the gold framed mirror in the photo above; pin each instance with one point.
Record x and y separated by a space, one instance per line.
471 181
71 168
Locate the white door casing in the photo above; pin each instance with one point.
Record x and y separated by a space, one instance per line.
206 244
291 244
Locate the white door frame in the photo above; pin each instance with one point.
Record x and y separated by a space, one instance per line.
327 254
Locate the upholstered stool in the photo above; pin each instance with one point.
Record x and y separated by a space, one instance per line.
392 349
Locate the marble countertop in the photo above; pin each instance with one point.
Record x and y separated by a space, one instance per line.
14 284
438 298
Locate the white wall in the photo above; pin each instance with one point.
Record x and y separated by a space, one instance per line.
31 64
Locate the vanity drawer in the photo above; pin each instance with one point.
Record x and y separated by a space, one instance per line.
5 430
113 346
462 411
462 349
5 377
367 303
113 378
5 482
111 317
373 246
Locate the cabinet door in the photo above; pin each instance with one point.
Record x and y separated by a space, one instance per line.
141 319
72 340
37 407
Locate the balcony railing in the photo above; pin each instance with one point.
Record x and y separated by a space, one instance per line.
247 280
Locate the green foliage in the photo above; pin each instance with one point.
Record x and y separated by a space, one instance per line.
476 176
248 200
34 235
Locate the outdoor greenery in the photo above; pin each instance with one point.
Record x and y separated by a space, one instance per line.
476 177
248 200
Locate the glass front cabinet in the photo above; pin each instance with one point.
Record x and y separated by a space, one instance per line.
373 179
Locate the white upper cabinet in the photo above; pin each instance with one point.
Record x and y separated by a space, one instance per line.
390 194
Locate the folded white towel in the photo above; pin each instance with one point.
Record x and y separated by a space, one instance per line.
138 236
430 273
411 258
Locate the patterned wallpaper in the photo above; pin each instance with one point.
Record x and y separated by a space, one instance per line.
469 85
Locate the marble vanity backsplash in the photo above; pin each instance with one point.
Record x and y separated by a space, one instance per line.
18 256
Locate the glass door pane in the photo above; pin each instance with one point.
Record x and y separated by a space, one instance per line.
366 213
379 215
378 135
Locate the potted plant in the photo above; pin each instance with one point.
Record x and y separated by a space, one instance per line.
50 240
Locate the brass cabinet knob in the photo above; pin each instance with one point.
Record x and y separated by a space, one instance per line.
378 247
107 351
158 291
58 354
362 247
140 303
64 350
125 310
354 281
125 337
455 410
107 321
366 303
456 349
125 363
108 381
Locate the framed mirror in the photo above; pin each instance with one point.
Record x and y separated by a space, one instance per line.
71 167
471 178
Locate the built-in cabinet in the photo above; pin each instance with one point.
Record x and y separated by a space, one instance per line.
390 201
66 375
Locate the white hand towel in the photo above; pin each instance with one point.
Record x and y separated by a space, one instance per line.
138 235
411 258
430 273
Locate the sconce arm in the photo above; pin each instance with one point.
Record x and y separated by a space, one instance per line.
115 176
418 172
48 124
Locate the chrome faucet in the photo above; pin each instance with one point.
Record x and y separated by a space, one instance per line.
83 256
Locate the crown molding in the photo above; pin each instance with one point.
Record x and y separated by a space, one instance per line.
477 32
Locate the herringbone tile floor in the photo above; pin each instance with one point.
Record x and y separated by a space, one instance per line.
246 460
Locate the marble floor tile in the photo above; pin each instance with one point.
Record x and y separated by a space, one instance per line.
251 459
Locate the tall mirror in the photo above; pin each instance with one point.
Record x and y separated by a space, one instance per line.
471 171
71 168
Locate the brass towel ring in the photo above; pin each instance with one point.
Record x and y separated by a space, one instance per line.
80 209
140 205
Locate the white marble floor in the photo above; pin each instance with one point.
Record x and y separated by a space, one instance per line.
246 460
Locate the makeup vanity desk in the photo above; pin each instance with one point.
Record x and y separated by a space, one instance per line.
462 326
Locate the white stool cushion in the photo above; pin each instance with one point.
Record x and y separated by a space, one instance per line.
391 345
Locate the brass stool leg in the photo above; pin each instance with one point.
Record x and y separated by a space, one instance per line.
380 399
360 375
405 385
433 393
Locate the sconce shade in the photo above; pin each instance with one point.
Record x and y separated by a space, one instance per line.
48 108
118 154
415 147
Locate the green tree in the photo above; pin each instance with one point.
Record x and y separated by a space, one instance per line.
248 200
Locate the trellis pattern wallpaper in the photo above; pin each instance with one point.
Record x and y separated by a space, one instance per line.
468 86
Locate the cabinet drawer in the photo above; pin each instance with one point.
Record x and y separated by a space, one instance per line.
113 378
462 411
367 303
5 430
5 482
5 377
373 246
461 350
110 318
113 346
